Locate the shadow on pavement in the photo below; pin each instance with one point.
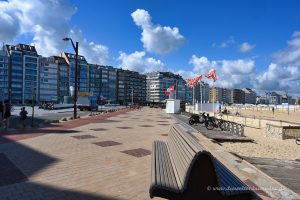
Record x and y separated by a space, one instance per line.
35 191
18 163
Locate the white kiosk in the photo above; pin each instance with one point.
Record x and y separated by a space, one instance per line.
173 106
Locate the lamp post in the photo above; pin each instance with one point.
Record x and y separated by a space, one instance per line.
32 104
75 47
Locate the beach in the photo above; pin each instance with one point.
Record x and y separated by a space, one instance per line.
264 147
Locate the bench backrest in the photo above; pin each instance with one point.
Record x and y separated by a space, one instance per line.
183 149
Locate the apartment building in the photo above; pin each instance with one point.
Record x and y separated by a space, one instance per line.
159 82
221 95
131 87
48 79
95 80
4 76
250 96
63 78
202 89
108 85
24 66
83 72
274 98
237 96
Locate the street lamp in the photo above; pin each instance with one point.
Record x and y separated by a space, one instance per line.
32 104
75 47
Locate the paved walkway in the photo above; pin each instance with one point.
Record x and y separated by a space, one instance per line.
29 132
96 159
99 158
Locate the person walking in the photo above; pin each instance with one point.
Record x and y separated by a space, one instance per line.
7 114
273 110
1 113
23 116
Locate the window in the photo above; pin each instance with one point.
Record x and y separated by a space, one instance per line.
30 59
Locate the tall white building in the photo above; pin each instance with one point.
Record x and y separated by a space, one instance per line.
23 75
159 82
48 78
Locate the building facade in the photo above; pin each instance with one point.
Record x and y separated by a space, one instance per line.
131 87
95 80
202 90
221 95
274 98
83 72
159 82
237 96
250 96
48 80
24 68
108 85
4 72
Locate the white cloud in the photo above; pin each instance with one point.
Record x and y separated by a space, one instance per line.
246 47
94 53
138 61
278 77
186 74
291 54
225 43
47 22
231 73
239 66
156 38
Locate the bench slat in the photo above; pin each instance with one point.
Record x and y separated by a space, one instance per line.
179 163
175 170
164 176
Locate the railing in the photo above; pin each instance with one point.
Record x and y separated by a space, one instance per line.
247 121
234 128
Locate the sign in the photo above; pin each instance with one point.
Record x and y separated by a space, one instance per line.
72 89
83 94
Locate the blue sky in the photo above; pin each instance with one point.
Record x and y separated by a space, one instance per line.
267 24
250 43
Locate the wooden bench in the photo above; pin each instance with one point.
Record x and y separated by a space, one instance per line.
183 169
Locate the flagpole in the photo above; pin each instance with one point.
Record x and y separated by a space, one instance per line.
194 98
201 95
213 98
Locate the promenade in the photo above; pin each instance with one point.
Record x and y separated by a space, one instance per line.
103 157
90 158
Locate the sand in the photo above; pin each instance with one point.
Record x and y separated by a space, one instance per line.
264 147
292 116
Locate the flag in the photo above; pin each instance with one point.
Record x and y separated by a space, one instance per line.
212 74
171 88
193 82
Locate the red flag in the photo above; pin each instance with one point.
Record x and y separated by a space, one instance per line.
212 74
171 88
193 82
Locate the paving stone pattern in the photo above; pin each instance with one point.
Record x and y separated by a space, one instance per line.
57 166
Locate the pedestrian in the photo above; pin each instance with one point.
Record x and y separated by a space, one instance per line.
23 116
1 113
7 113
273 110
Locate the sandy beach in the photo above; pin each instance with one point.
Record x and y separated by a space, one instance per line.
264 147
292 116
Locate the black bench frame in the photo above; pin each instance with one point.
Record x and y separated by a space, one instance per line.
183 169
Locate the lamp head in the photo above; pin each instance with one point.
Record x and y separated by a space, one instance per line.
66 39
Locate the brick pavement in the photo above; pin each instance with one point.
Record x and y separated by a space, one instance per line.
20 134
60 166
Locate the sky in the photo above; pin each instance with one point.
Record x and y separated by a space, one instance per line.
250 43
